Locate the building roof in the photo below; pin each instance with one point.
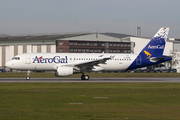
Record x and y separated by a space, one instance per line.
118 35
37 37
53 37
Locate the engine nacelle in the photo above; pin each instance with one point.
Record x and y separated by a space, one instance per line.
64 71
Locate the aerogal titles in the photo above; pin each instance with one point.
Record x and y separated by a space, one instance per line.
55 59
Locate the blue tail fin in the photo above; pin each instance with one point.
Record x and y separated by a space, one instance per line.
157 44
154 49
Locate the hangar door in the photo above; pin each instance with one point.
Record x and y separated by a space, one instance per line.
176 47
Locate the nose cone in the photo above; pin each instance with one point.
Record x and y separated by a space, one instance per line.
9 64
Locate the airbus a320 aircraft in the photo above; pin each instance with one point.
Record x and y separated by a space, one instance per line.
66 64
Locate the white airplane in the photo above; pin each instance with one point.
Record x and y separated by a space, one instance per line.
66 64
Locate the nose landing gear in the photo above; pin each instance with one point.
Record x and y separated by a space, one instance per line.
28 75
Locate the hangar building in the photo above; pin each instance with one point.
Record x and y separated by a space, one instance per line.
72 43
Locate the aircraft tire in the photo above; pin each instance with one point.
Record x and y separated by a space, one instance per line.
84 77
27 78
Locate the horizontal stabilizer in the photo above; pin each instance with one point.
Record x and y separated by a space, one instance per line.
161 58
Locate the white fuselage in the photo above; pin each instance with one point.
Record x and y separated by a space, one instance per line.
50 61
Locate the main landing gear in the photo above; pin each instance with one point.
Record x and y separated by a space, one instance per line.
85 77
28 75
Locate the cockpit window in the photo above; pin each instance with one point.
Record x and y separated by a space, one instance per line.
16 58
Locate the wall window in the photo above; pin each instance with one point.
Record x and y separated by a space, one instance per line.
91 44
95 50
118 44
114 44
103 44
122 45
110 50
110 44
87 50
70 43
83 50
79 50
91 50
71 50
125 51
118 51
125 45
121 51
95 44
114 51
99 50
87 44
75 43
61 43
79 43
75 50
83 43
129 45
60 49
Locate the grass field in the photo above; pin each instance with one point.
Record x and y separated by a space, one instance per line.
92 75
90 101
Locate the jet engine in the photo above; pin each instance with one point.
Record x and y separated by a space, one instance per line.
64 71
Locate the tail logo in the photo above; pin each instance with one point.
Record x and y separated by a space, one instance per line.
147 54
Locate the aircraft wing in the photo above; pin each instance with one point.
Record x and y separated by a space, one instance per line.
89 65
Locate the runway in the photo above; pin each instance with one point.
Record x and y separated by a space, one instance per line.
110 80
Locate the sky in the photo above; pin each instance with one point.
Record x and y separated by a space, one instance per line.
19 17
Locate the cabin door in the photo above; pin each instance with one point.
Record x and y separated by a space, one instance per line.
28 59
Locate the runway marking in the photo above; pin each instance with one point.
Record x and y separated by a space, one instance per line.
75 103
102 97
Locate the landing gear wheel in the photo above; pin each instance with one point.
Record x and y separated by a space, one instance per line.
27 78
84 77
28 74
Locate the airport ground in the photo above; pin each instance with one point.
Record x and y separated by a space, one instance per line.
90 100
